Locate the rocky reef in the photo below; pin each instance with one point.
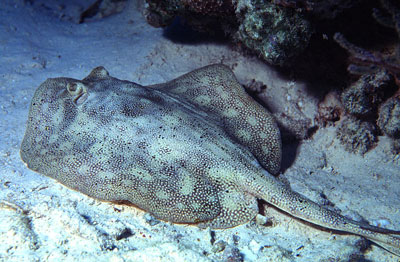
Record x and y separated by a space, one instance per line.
273 31
277 31
363 97
373 100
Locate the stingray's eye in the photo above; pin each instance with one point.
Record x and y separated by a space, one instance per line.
79 92
75 88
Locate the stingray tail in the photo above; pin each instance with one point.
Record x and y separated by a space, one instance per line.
280 195
385 238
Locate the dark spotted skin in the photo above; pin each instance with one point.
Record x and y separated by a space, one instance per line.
196 149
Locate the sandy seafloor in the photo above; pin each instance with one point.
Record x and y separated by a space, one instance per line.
41 220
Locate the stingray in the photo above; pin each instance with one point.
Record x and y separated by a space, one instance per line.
195 150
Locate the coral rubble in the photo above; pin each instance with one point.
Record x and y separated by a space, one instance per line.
363 97
389 117
357 136
380 73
